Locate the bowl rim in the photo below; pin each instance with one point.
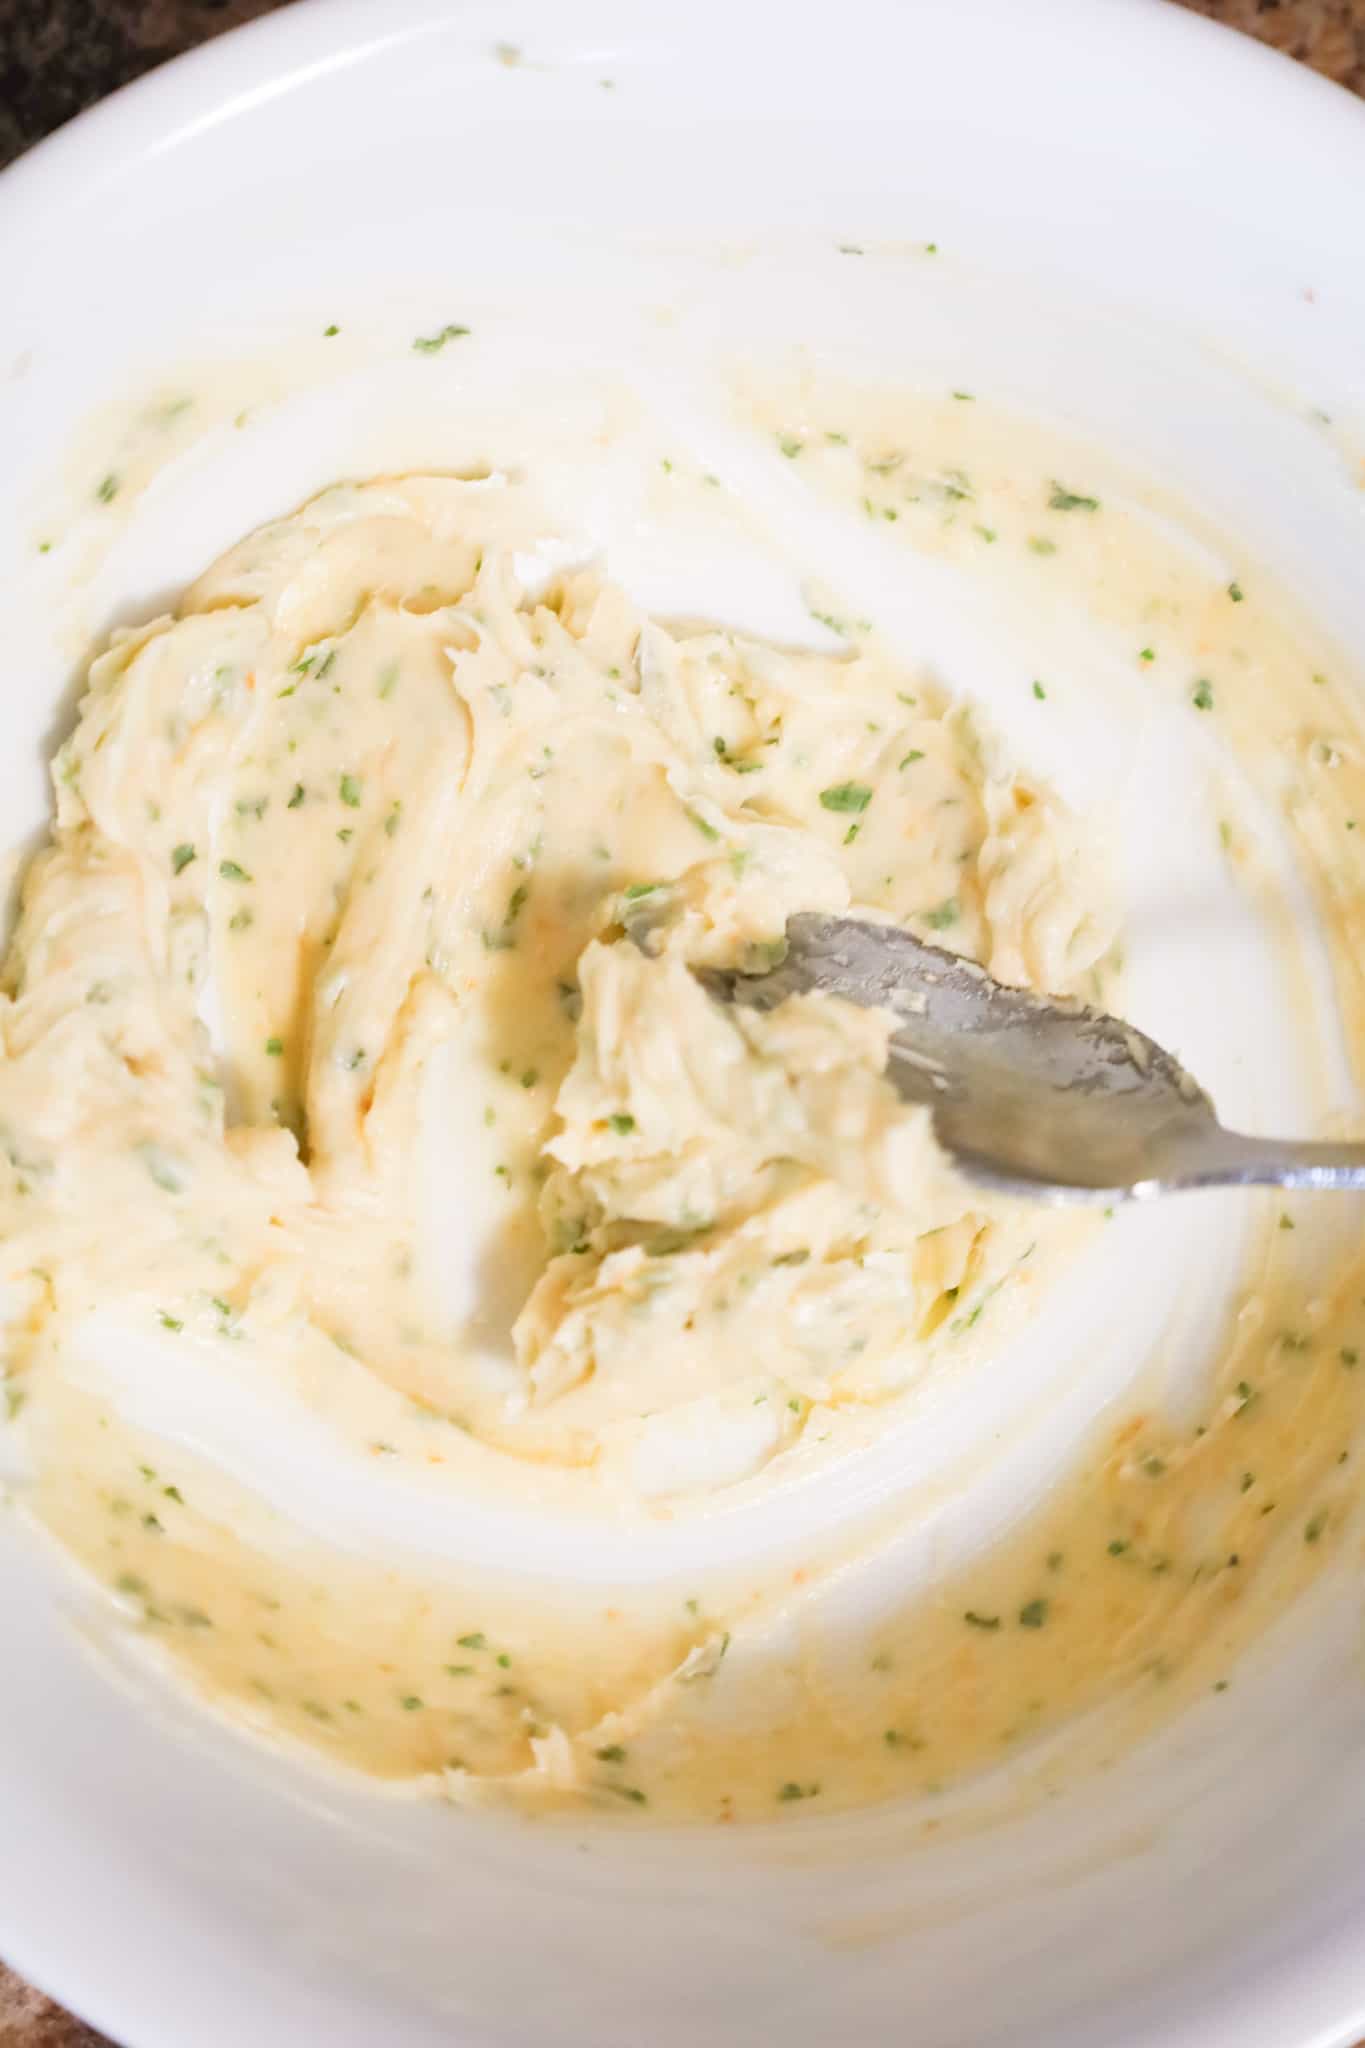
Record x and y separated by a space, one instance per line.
268 58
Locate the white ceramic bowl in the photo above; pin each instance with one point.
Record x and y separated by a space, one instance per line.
1173 216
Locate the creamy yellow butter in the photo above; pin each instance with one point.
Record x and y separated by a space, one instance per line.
379 850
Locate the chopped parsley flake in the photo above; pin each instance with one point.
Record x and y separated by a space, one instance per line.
1033 1614
350 791
987 1621
622 1125
1039 692
942 916
107 489
274 1046
432 344
1063 500
232 871
846 796
1235 592
1201 696
181 858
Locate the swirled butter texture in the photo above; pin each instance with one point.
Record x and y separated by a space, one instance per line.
384 866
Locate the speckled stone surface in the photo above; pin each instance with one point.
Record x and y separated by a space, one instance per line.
57 56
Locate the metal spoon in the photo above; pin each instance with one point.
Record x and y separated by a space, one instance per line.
1031 1094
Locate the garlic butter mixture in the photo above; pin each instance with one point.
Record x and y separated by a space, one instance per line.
387 861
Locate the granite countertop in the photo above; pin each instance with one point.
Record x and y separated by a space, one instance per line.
57 56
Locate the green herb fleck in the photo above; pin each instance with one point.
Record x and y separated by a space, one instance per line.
975 1620
350 791
791 445
1039 692
614 1753
1033 1614
1202 695
169 1322
1235 592
622 1125
477 1641
1063 500
432 344
164 1170
846 796
107 489
942 915
274 1047
181 858
915 754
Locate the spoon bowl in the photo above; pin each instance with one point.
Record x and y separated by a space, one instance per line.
1033 1095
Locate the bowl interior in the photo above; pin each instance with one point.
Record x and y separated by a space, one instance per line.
1117 218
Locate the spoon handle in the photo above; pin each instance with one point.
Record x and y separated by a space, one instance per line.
1229 1159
